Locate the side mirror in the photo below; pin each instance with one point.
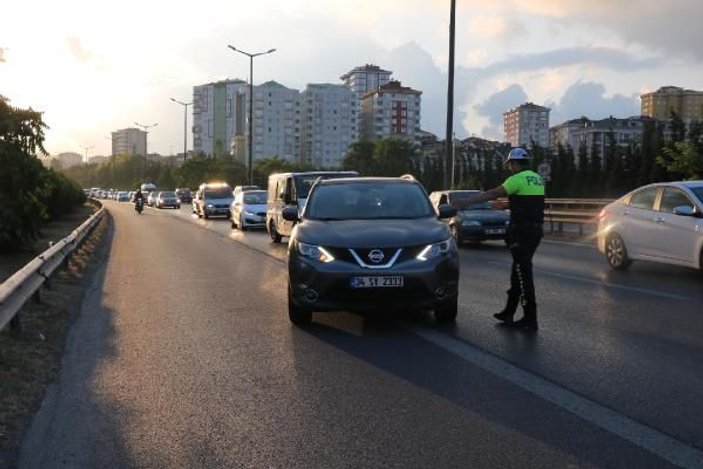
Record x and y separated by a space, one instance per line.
685 211
446 211
290 214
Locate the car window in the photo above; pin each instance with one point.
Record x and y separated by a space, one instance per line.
254 198
219 193
463 195
644 198
369 200
672 198
698 192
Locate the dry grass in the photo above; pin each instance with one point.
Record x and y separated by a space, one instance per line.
31 360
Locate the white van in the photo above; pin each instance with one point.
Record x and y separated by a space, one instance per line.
292 189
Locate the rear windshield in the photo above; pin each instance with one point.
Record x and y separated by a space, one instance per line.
219 193
255 197
167 194
368 200
303 182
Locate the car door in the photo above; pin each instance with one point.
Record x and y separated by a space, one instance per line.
637 223
677 236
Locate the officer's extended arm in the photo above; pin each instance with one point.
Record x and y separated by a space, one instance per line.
494 193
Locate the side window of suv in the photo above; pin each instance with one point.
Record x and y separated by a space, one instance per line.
644 199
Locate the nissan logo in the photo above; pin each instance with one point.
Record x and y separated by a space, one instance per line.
376 255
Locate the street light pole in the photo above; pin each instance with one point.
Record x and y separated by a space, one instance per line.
450 96
251 105
185 125
86 148
146 137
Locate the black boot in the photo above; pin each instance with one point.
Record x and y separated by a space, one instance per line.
509 311
529 319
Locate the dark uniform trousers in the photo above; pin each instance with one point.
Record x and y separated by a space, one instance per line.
523 240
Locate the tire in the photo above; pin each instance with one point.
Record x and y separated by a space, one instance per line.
232 223
298 315
242 226
275 236
448 312
616 253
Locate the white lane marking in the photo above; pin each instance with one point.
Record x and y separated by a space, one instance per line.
575 278
647 438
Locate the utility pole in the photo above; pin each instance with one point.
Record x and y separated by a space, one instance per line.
185 125
449 157
146 137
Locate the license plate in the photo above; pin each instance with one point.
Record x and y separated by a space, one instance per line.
376 281
496 231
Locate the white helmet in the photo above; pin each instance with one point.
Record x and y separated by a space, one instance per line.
517 153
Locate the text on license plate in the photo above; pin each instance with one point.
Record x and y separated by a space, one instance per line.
376 281
496 231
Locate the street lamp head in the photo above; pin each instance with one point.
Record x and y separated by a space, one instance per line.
270 50
233 48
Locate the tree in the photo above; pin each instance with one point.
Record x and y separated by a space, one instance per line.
360 158
683 158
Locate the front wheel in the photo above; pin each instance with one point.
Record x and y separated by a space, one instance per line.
242 226
275 236
448 311
616 253
456 235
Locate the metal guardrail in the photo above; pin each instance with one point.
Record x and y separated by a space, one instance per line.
572 211
16 290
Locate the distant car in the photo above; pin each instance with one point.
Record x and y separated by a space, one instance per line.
213 199
122 196
370 244
151 199
248 210
184 195
475 223
167 199
660 222
238 189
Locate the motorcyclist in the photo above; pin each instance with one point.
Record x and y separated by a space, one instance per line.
138 199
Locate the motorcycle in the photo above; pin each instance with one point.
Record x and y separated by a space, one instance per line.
139 206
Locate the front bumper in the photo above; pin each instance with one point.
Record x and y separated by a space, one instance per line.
476 232
318 286
216 211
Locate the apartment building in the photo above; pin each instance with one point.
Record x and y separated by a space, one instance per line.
329 124
392 110
219 117
277 122
598 134
69 159
366 78
525 124
129 141
687 104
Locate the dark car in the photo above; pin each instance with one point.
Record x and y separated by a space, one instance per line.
184 195
167 199
371 244
476 223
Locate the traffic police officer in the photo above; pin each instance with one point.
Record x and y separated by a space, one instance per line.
525 192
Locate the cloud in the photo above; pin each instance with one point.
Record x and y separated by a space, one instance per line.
494 107
606 57
589 100
78 51
497 27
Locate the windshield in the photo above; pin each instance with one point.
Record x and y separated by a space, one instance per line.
463 195
368 200
303 182
219 193
698 191
255 198
167 194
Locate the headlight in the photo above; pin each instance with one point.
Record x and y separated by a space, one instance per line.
507 222
470 223
314 252
210 206
251 214
435 250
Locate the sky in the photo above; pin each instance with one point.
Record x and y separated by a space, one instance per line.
93 67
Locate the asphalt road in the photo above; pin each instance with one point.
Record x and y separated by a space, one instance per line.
183 356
